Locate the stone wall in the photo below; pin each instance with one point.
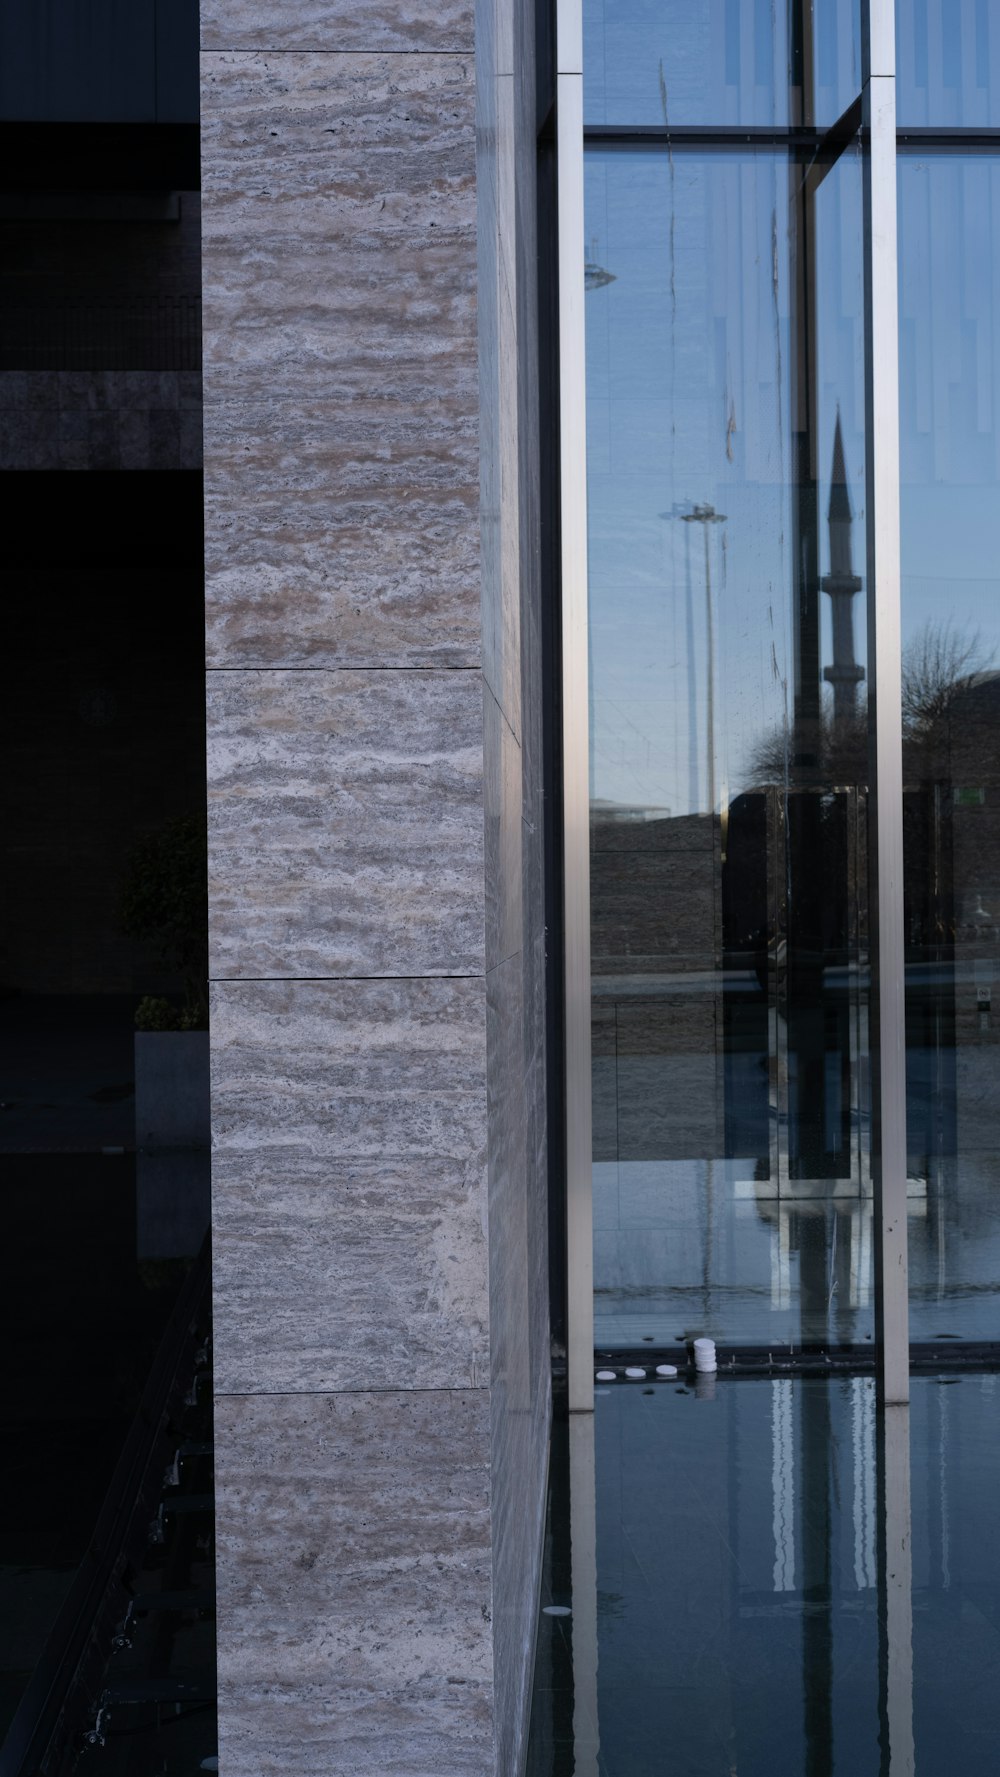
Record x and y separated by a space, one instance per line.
379 1181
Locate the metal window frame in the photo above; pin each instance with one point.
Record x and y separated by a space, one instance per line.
575 709
875 113
887 1009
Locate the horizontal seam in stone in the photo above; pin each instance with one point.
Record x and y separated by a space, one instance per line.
254 49
313 1394
364 668
239 980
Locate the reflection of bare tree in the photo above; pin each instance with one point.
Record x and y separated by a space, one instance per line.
941 666
841 756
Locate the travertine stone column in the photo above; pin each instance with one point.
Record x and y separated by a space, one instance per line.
378 1108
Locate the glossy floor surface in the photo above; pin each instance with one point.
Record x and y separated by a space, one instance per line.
734 1613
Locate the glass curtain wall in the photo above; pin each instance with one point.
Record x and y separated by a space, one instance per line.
726 491
757 1583
729 679
949 244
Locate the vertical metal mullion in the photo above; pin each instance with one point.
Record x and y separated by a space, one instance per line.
583 1582
887 1004
895 1591
576 748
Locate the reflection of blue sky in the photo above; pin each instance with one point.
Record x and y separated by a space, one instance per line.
689 402
711 61
949 348
727 61
948 62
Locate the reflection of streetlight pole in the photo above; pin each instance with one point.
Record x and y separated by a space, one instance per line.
706 515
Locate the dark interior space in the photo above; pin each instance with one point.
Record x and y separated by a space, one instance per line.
103 934
103 724
103 735
86 1319
103 739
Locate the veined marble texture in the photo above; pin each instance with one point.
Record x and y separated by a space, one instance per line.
346 1274
341 382
350 1069
339 233
345 25
501 420
345 824
354 1582
349 1184
424 1729
341 535
337 145
360 318
378 1551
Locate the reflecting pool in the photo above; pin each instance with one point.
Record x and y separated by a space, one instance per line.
735 1612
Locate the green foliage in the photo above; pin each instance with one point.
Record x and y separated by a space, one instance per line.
164 903
153 1013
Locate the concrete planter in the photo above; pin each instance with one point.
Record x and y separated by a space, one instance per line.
171 1090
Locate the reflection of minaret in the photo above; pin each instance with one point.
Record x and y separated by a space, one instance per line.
841 583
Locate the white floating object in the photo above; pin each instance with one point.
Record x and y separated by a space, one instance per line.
606 1376
556 1610
704 1355
666 1369
634 1373
209 1764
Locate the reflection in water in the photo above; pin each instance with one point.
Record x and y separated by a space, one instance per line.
863 1463
586 1736
783 1486
895 1593
767 1599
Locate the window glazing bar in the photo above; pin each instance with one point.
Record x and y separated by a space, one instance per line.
576 748
887 1009
710 135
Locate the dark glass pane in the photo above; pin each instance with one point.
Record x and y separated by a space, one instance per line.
949 234
948 63
720 61
726 522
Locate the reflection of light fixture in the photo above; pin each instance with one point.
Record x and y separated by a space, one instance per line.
595 276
